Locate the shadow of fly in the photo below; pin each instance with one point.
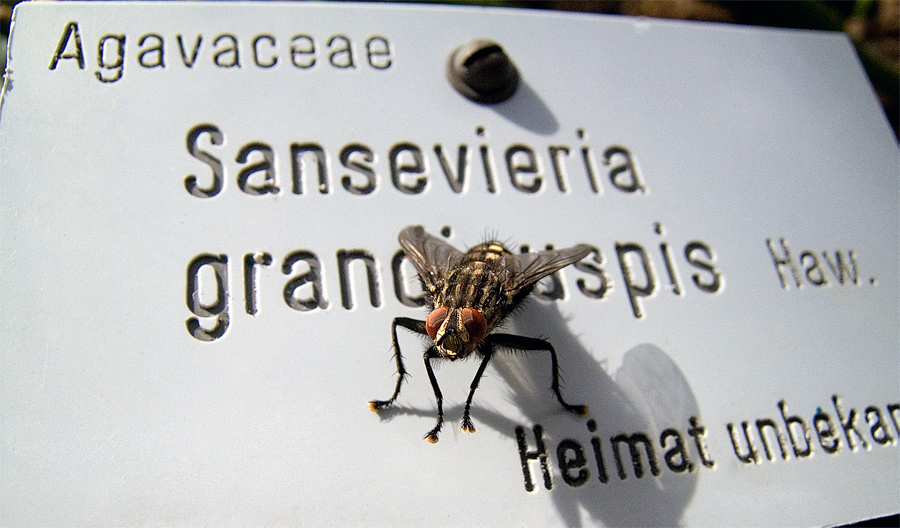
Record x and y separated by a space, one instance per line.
470 294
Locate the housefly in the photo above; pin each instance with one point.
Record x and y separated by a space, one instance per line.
470 294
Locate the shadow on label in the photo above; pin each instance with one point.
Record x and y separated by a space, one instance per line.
526 109
633 461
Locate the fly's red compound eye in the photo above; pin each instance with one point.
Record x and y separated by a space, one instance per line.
435 320
474 322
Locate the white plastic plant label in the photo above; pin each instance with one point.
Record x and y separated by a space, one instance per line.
200 271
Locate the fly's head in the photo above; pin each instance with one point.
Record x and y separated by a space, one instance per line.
456 331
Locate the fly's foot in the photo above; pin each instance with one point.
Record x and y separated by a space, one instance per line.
467 425
377 405
432 436
580 410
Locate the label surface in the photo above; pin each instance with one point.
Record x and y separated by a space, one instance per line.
199 269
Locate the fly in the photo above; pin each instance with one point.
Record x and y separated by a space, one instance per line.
470 294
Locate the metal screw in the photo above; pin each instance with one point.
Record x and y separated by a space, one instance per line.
481 71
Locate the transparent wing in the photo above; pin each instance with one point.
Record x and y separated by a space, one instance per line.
532 267
432 257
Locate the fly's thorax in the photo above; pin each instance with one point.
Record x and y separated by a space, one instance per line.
476 285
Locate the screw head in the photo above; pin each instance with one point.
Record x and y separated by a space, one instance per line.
482 71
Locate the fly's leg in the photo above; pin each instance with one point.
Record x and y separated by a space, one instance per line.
410 324
467 426
432 436
528 344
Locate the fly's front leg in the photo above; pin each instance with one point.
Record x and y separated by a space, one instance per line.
467 426
410 324
528 344
432 436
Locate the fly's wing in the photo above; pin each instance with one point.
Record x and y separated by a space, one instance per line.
532 267
432 257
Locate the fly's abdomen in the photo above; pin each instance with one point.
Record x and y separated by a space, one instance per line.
490 253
